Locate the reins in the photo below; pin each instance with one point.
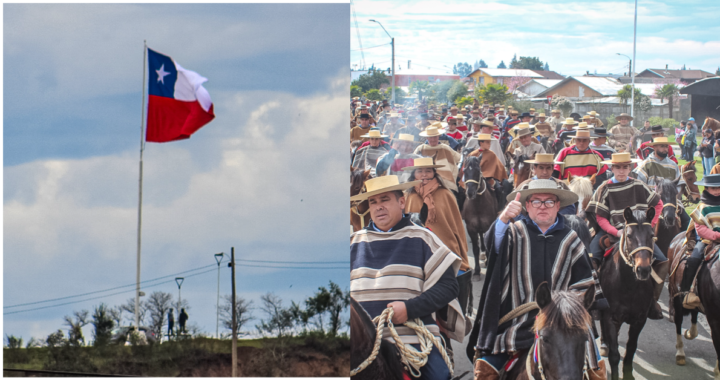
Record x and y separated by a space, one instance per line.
627 257
412 358
535 349
361 215
478 183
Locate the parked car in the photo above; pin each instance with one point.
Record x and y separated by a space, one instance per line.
120 334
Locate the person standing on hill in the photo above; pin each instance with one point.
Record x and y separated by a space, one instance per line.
183 320
171 321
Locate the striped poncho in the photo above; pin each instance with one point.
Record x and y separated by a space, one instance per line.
611 199
401 265
654 166
583 164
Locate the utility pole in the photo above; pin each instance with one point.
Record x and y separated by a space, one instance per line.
218 258
392 42
632 72
179 281
234 315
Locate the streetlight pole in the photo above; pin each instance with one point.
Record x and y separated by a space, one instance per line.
179 281
218 258
392 43
632 95
632 108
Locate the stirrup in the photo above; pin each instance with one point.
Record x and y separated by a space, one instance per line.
691 301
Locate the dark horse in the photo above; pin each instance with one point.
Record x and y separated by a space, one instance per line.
521 170
551 144
387 364
480 209
562 333
669 224
626 280
708 289
359 211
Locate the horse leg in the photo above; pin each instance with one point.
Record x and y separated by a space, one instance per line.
676 305
630 348
715 335
692 333
476 250
610 337
483 251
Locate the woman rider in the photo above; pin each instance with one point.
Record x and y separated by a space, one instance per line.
605 210
443 215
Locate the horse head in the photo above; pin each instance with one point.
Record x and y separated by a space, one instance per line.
473 176
636 244
562 330
521 170
667 190
690 177
357 180
362 335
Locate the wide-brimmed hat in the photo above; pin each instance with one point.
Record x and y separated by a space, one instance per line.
555 111
582 125
513 112
587 117
581 133
621 158
460 117
600 132
545 186
406 137
525 114
532 109
710 180
520 130
623 116
593 114
432 131
374 134
422 162
659 141
543 158
569 121
483 137
356 98
542 114
364 115
453 108
383 184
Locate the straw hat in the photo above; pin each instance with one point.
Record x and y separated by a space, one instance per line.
532 109
407 137
659 141
381 185
521 129
423 162
555 111
432 131
623 116
484 137
543 158
569 121
541 115
460 117
593 114
587 117
582 125
545 186
374 134
582 133
621 158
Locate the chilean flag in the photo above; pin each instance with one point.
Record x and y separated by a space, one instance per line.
178 104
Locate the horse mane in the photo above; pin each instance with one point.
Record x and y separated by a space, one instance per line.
580 227
641 216
582 187
474 161
688 166
666 188
565 312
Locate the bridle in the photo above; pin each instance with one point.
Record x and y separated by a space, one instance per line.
628 257
535 354
478 183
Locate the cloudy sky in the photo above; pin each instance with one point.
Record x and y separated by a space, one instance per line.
572 36
267 176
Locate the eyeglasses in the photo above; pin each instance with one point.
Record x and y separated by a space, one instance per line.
548 203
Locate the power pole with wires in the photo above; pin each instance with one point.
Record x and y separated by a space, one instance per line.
234 315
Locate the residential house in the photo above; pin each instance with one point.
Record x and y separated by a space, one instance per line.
536 86
685 76
485 76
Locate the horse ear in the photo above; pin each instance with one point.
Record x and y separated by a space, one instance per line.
542 295
570 177
589 297
650 215
628 215
676 181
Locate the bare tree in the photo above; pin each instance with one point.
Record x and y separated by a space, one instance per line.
116 315
75 334
242 307
280 319
159 303
129 307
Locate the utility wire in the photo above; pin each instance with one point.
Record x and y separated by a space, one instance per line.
295 262
371 47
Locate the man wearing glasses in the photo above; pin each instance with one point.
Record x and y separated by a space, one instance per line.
549 250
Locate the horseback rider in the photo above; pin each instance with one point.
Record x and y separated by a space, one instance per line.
556 120
599 138
579 159
361 129
485 127
366 157
442 154
523 135
491 167
659 164
605 213
594 119
398 264
547 249
542 166
568 129
646 148
623 133
706 221
542 126
400 155
443 215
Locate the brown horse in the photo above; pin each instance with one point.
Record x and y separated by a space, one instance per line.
480 209
359 211
387 364
708 289
689 189
562 329
711 123
628 286
521 170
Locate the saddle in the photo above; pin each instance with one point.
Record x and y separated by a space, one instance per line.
607 242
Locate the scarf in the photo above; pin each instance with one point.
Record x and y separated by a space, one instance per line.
708 199
425 192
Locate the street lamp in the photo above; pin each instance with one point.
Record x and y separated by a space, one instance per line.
392 43
179 281
632 93
218 258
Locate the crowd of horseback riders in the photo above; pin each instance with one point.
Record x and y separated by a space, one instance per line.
573 224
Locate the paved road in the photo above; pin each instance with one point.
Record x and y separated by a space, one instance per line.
655 358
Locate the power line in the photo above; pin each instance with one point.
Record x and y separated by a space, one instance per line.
371 47
295 262
265 266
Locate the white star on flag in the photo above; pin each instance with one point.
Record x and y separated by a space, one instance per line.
161 74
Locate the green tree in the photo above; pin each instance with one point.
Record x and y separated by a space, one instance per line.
458 90
482 64
514 62
502 65
13 342
462 69
399 94
280 320
374 94
670 92
327 302
666 123
372 80
625 94
242 312
75 334
494 93
419 87
103 323
439 91
464 101
547 67
529 63
355 91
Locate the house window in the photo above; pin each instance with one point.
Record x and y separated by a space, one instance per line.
500 81
482 81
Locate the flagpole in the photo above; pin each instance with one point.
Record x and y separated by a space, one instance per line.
139 227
